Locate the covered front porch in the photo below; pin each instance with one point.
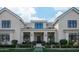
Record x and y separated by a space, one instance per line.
39 36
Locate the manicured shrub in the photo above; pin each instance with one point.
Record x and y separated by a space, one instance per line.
25 46
47 46
75 46
26 42
7 46
43 43
48 43
34 42
14 42
63 42
71 42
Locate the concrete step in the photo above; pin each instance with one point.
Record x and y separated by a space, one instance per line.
39 45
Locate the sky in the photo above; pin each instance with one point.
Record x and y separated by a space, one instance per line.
38 13
30 10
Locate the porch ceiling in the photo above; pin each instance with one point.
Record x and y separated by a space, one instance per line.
39 30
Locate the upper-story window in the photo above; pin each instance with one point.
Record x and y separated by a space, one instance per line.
72 23
38 25
6 24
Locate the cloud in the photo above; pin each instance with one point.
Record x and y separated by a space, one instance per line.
55 16
37 18
25 13
61 8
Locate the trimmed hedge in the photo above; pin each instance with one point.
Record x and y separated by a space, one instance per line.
63 41
25 45
27 42
7 46
17 50
34 42
43 43
14 42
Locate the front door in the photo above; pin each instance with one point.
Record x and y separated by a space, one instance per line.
38 39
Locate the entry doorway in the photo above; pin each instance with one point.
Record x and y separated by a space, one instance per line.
38 37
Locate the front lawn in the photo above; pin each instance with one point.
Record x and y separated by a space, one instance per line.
16 49
60 49
43 50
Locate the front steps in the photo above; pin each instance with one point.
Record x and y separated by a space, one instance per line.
38 47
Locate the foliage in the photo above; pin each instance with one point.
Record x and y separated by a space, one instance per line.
26 42
43 43
25 45
71 42
63 41
7 46
14 42
34 42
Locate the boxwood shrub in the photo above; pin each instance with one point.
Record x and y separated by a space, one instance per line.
25 45
14 42
63 41
7 46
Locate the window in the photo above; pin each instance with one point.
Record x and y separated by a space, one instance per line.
6 24
38 25
72 24
74 36
4 37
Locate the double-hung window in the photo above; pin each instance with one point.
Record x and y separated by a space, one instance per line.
72 23
6 23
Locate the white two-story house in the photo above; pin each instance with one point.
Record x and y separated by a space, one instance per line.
12 27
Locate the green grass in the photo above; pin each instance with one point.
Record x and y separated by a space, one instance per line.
60 49
16 49
44 50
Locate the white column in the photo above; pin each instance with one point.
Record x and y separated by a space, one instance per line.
21 36
31 36
45 36
55 36
67 36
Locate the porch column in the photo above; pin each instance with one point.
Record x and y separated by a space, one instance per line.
31 36
45 36
55 36
21 36
67 36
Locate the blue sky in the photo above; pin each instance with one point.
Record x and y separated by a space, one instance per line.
45 12
38 13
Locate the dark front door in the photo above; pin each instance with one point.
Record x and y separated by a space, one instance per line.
38 39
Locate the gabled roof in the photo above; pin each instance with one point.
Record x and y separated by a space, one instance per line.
12 13
58 18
